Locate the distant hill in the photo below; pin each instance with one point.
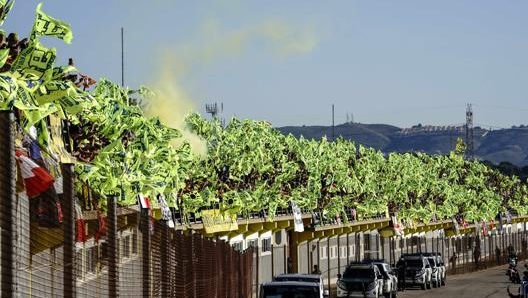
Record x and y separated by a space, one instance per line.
496 146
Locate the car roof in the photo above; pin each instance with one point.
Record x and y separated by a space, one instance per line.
413 257
301 275
362 266
290 283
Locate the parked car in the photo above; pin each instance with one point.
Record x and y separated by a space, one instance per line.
390 278
360 280
280 289
303 277
418 271
440 264
435 270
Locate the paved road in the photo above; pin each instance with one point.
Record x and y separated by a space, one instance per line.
489 283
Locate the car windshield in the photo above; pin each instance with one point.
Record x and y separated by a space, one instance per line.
289 291
415 263
367 273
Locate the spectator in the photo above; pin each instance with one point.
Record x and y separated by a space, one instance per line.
453 260
11 43
71 76
511 251
476 256
497 254
316 270
401 265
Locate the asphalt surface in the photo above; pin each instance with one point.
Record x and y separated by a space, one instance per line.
488 283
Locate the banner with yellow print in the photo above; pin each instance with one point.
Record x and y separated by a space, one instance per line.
48 26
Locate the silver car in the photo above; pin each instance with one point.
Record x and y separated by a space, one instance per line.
390 280
305 278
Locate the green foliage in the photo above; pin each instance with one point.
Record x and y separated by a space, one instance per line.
249 166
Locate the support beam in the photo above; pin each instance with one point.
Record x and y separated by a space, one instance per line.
68 207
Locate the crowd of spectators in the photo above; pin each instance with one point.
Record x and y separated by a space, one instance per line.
14 45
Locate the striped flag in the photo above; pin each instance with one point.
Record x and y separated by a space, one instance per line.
36 179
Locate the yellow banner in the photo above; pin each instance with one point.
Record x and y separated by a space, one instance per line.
46 25
216 221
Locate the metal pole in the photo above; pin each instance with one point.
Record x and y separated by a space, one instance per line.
333 124
272 261
113 276
122 58
8 195
145 231
328 260
165 260
68 227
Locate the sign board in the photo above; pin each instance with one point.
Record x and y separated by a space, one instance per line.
215 221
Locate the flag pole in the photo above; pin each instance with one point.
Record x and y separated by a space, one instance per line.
122 59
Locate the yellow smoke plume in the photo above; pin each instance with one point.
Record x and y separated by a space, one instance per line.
171 104
281 38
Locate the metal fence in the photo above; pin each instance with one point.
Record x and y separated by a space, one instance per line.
51 248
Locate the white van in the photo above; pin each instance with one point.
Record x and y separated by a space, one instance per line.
303 277
290 289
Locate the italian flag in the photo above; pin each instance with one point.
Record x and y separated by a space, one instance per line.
36 179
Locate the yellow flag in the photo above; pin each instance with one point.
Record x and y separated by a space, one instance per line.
48 26
34 62
8 91
5 7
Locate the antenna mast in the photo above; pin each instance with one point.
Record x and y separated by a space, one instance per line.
214 109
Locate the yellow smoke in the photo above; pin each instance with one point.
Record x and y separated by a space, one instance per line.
281 38
172 103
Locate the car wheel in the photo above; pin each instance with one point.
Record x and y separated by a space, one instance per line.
423 286
388 295
395 294
429 285
444 281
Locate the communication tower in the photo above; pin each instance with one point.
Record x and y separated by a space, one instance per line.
213 109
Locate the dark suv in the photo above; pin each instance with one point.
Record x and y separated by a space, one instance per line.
360 280
418 271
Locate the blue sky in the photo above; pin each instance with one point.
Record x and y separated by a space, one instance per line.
287 62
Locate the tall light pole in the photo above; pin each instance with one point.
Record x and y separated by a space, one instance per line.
333 125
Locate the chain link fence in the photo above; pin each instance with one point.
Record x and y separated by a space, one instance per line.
51 246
